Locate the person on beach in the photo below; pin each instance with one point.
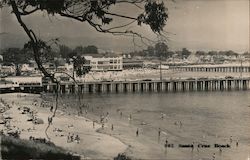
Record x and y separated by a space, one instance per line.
101 118
51 108
72 138
137 132
166 143
93 124
77 138
231 139
106 119
68 138
112 127
220 150
49 120
80 112
102 125
1 132
237 143
213 156
162 116
159 132
31 138
130 117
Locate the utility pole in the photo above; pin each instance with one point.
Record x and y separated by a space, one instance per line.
249 29
241 67
160 52
73 62
160 68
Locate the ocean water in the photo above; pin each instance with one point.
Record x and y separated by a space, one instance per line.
184 118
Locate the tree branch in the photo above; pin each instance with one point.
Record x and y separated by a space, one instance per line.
25 13
121 16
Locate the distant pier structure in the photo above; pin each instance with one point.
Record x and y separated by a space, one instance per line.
212 68
201 84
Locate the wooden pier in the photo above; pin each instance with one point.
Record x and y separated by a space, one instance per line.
202 84
171 85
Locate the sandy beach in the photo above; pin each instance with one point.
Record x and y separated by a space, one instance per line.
92 145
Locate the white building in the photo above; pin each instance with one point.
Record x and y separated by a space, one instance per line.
105 63
27 68
7 69
25 80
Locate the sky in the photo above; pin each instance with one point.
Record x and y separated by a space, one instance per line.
192 24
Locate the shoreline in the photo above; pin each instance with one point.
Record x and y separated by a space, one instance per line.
93 145
146 146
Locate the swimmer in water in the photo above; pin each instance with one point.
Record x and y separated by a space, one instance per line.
162 115
137 132
159 132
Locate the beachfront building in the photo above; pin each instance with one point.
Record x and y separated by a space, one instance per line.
105 62
24 80
7 69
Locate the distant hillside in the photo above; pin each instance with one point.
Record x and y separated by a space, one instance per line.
12 40
104 43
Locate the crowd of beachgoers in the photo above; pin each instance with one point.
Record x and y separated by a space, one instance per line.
27 116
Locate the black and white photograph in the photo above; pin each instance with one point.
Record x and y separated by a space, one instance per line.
125 79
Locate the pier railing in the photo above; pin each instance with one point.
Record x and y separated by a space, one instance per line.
211 68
